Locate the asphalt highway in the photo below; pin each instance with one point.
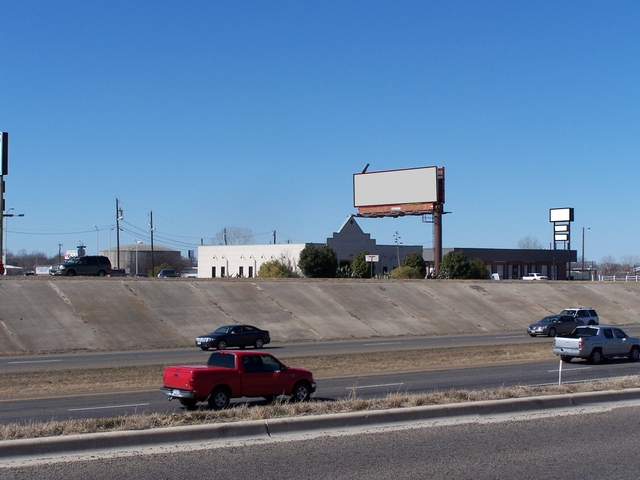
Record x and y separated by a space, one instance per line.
193 355
72 405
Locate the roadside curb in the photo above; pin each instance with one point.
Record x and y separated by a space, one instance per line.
73 444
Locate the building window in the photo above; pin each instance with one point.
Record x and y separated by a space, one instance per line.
222 272
250 272
213 272
500 270
241 271
544 270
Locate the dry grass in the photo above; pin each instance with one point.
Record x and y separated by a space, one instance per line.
286 409
113 379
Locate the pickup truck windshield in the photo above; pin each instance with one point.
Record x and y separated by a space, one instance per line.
224 360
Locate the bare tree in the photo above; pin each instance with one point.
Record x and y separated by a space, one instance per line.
629 263
608 265
233 236
529 243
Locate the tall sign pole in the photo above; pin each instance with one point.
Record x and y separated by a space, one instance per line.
4 170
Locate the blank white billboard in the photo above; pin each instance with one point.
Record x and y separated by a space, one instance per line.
561 215
395 187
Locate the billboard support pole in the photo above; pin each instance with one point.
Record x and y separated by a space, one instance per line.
437 238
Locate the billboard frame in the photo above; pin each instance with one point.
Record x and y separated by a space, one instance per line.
395 193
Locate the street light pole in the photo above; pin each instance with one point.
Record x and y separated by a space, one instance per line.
588 228
97 240
137 243
6 231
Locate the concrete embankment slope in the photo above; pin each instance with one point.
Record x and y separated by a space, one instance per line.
50 314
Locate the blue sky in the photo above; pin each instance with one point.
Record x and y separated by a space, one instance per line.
256 114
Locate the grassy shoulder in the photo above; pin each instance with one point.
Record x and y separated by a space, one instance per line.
58 382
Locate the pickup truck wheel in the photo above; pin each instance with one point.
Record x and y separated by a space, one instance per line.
634 354
552 332
258 343
102 273
301 392
222 345
566 358
205 348
596 356
219 398
71 273
190 403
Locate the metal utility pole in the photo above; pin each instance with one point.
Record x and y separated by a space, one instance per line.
398 243
118 218
582 269
152 230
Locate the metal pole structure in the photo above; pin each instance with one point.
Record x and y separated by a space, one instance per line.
137 243
1 218
569 276
118 218
4 170
97 240
152 230
6 234
437 238
582 269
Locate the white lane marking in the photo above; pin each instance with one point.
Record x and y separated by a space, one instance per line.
382 343
35 361
376 386
110 406
569 369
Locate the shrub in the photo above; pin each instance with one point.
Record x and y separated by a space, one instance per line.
406 272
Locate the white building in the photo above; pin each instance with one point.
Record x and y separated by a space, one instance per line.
243 260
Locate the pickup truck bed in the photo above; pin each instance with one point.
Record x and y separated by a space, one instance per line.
596 342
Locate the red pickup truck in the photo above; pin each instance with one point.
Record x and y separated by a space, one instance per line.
230 375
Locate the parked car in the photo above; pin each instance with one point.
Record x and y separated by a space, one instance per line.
86 265
535 276
554 325
587 315
167 273
141 275
118 272
234 336
596 342
230 375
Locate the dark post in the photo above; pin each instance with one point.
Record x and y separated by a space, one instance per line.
437 238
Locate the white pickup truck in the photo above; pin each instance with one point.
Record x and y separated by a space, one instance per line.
596 342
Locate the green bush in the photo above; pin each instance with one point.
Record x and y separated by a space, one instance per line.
276 269
416 261
454 265
318 262
406 272
360 268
